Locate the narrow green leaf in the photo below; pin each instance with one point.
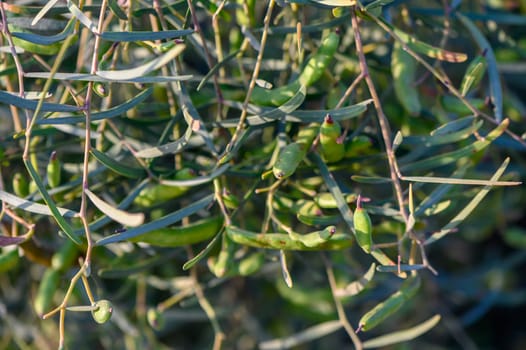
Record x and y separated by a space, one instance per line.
145 69
453 181
493 72
46 39
356 287
81 17
126 202
401 267
197 180
215 68
296 116
116 9
68 230
106 114
305 336
444 138
169 148
121 216
33 207
452 126
116 166
43 11
145 35
97 78
464 213
333 187
423 48
203 253
159 223
371 179
17 101
190 113
438 193
451 157
402 336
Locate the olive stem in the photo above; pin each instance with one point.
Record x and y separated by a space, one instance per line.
339 307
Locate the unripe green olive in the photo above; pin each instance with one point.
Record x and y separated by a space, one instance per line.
102 312
155 318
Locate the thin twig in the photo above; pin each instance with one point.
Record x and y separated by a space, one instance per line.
382 119
244 111
339 307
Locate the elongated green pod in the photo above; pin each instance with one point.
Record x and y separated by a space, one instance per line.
65 256
388 307
288 160
196 232
103 311
310 74
251 264
292 154
101 89
474 73
314 239
46 290
317 64
326 200
155 318
53 171
231 201
159 193
363 227
332 148
284 241
8 260
403 69
224 262
276 96
20 185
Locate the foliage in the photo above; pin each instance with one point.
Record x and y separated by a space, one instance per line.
180 174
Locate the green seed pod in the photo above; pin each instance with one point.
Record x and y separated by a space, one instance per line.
20 185
224 262
332 149
325 240
155 318
159 193
474 73
314 239
326 200
251 264
101 89
288 160
317 64
231 201
193 233
53 171
8 260
388 307
362 227
403 69
102 312
65 257
312 72
46 290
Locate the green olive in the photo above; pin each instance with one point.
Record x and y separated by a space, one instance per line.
102 312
